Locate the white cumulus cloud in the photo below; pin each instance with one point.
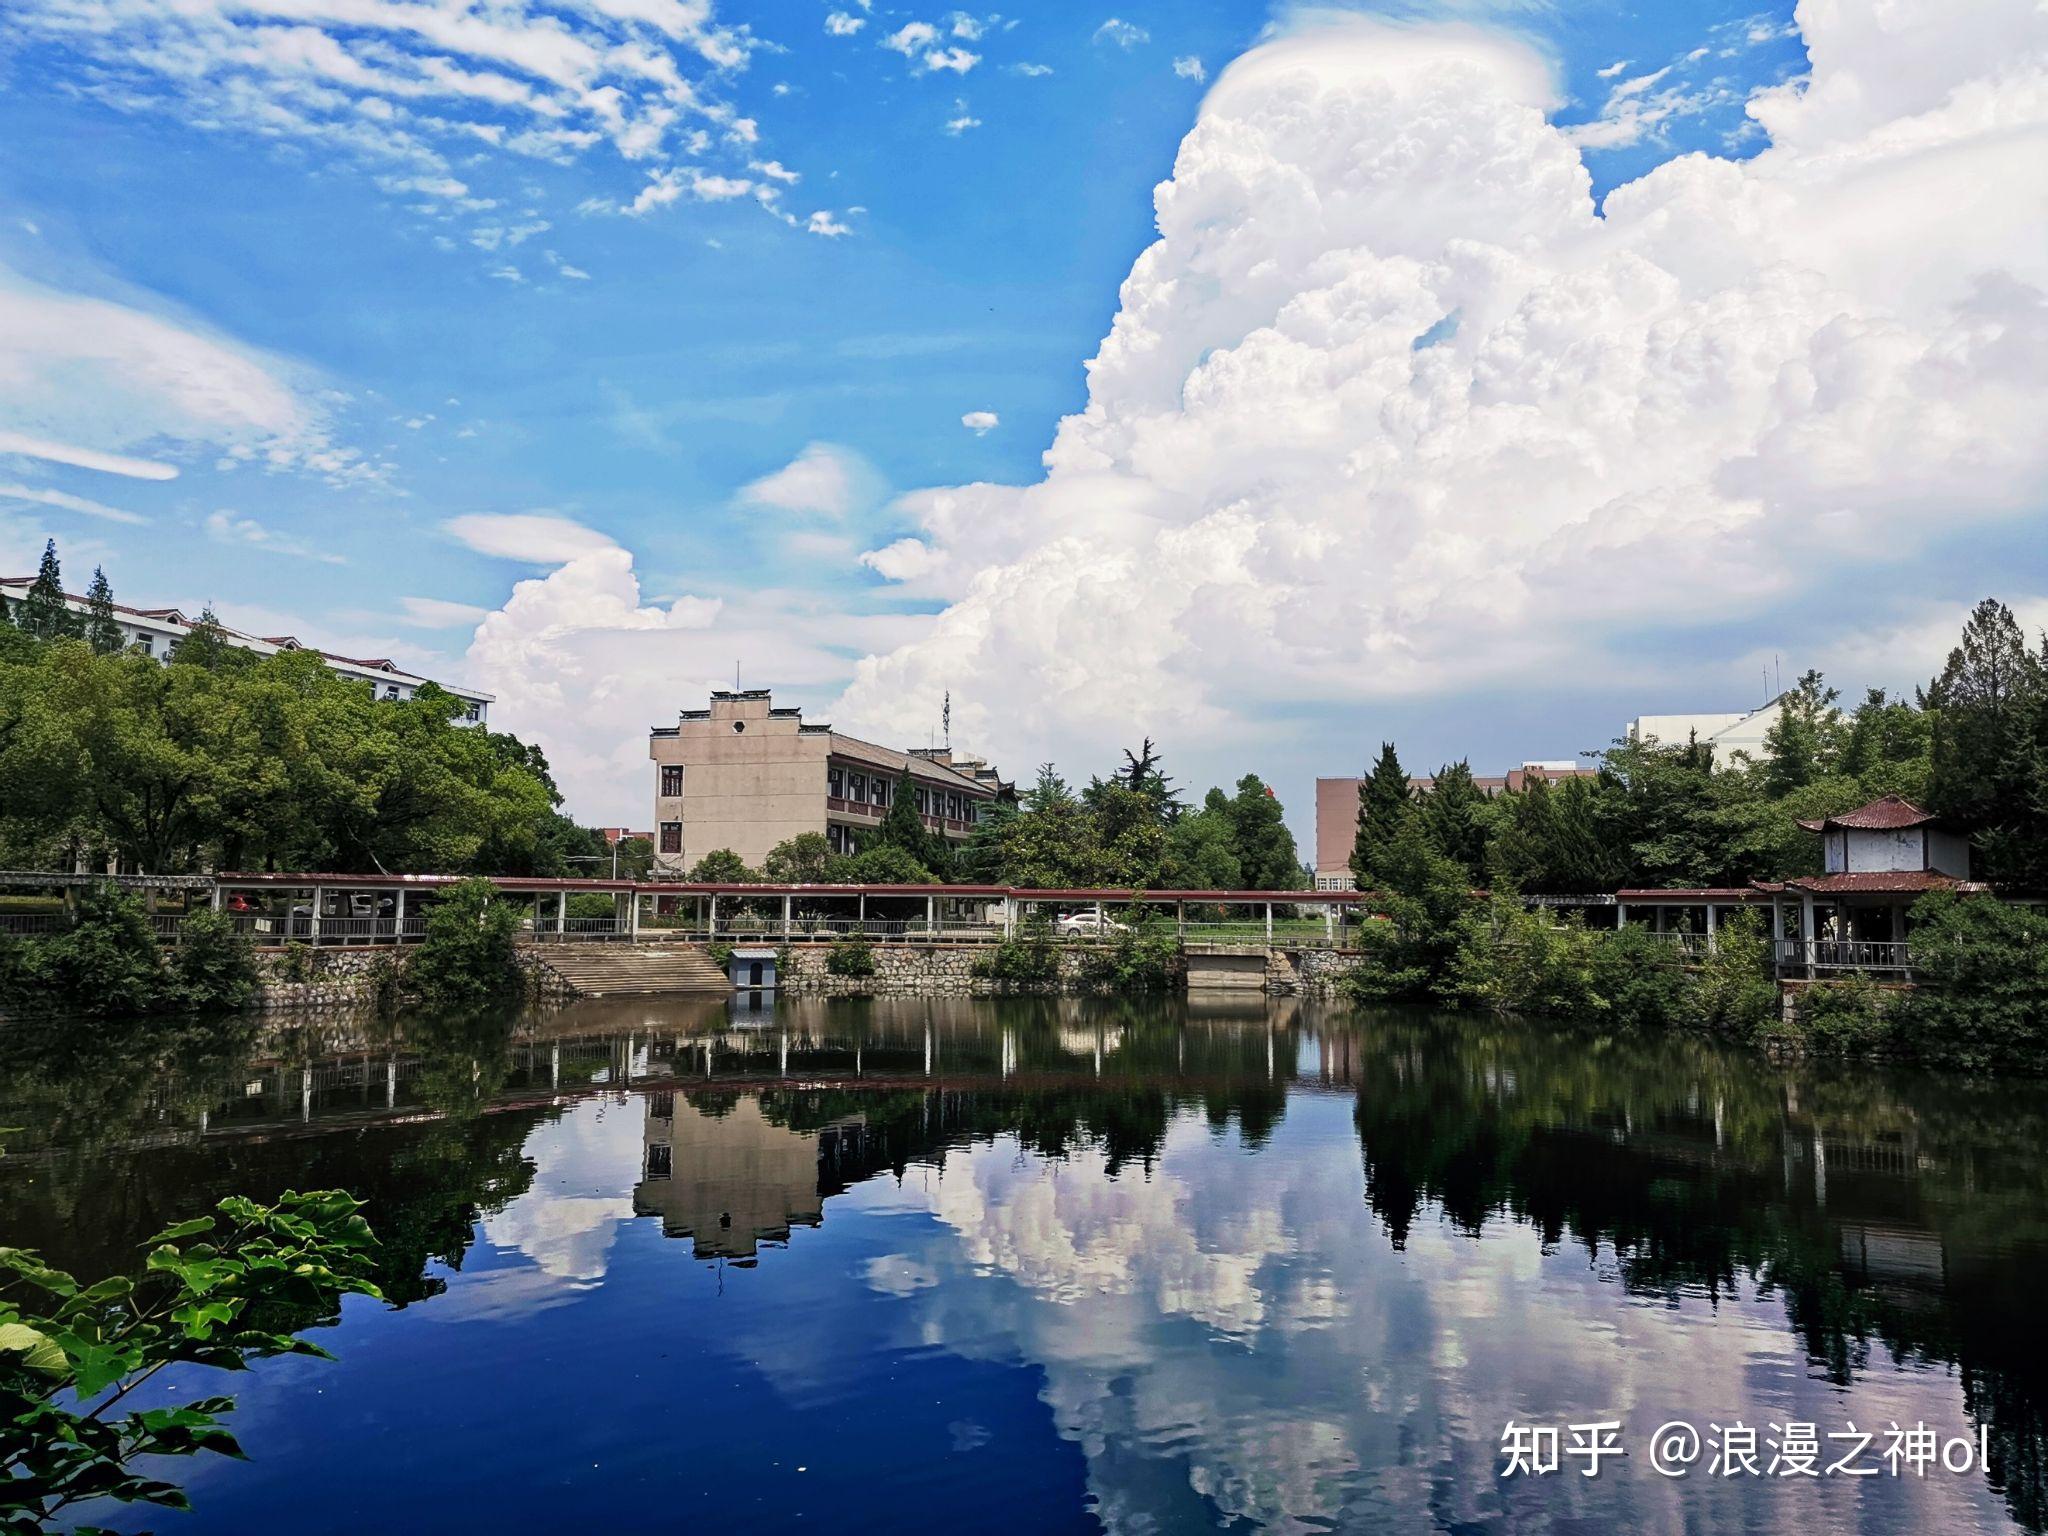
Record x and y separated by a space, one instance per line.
980 423
824 479
1745 380
1390 411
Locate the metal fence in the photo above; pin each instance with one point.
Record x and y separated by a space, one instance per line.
1872 955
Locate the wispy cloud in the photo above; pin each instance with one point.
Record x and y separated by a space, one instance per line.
1125 34
63 500
231 528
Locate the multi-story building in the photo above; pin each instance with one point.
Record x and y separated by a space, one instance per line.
745 775
156 631
1337 811
1724 734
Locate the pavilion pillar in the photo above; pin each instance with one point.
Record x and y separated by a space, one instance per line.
861 909
1269 925
931 917
785 916
1330 924
313 921
398 922
1620 915
1710 927
216 896
1809 941
562 913
633 916
711 927
1180 918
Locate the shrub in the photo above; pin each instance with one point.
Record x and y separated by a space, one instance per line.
1982 968
852 955
106 962
1137 958
469 955
1640 978
211 967
1845 1017
1735 990
1031 958
721 954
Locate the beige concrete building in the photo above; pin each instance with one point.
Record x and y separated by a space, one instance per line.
745 775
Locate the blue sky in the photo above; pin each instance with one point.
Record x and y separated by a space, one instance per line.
851 232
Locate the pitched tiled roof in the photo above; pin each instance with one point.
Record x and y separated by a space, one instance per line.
1890 814
1881 882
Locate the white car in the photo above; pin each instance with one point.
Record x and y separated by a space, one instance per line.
1077 923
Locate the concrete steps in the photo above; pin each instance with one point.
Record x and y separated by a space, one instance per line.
621 970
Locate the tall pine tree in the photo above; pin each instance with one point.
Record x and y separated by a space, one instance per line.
1454 817
1384 806
1990 748
102 632
43 612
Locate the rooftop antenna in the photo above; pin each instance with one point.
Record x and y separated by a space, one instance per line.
946 716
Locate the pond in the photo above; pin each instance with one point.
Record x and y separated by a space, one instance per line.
1074 1265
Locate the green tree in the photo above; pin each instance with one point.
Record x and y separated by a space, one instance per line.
43 612
805 859
1410 953
469 955
1201 849
1549 840
636 857
1805 742
1385 804
1259 838
1886 747
1982 967
1454 816
1990 746
903 828
205 644
721 866
211 966
106 960
102 630
884 864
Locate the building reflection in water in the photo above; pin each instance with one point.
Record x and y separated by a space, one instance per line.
1894 1218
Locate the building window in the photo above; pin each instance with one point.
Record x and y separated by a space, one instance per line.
835 783
881 791
857 788
391 690
924 801
661 1161
671 837
671 780
146 644
662 1106
473 713
952 807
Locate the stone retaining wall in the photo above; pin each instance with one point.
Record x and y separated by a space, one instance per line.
932 970
348 977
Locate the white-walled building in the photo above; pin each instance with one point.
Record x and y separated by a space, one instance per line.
1726 734
155 631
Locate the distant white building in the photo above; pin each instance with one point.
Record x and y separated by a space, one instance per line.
154 631
1726 734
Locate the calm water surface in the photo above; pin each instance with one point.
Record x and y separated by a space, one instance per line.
1068 1266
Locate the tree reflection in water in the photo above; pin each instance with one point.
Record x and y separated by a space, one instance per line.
1882 1209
